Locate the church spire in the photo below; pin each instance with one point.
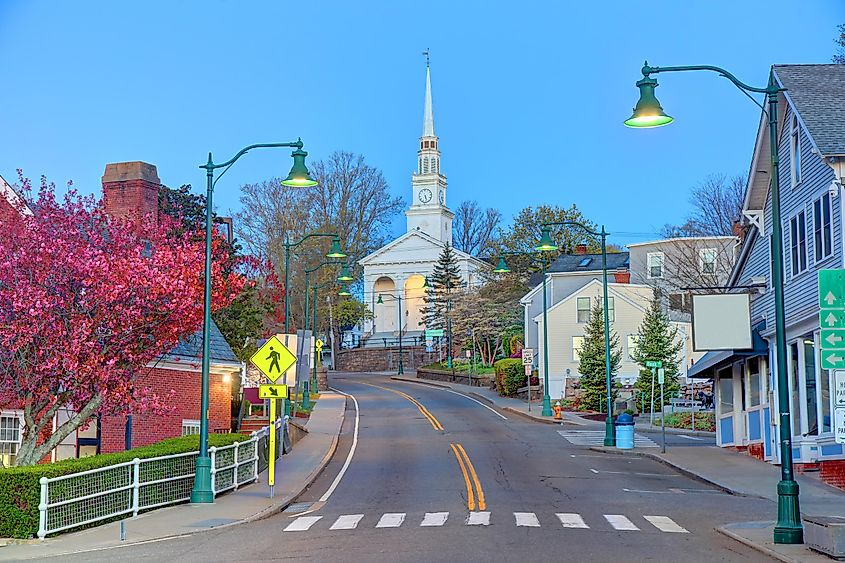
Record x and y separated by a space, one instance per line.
428 119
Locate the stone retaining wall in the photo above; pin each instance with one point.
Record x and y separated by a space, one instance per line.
383 359
463 378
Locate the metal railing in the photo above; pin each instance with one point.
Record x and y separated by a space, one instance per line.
80 499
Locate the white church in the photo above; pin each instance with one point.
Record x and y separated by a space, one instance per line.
399 268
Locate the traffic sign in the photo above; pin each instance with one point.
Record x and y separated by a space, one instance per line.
527 356
839 424
839 388
272 391
832 317
432 332
661 376
833 338
832 289
654 364
833 359
318 344
273 359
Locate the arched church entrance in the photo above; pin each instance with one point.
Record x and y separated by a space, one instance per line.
384 314
414 294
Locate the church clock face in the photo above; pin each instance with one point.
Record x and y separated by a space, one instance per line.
425 195
442 197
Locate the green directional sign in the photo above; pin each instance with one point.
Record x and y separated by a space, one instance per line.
833 359
833 338
653 364
832 318
832 289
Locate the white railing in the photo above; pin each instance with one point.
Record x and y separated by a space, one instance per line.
83 498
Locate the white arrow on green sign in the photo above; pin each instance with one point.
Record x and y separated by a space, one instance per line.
832 338
833 359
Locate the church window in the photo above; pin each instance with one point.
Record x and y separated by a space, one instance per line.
426 144
419 166
425 166
434 165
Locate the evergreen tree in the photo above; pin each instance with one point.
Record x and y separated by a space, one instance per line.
657 340
442 283
592 367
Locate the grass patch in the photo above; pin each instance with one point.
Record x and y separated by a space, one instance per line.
703 421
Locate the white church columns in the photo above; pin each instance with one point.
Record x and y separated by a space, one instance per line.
413 302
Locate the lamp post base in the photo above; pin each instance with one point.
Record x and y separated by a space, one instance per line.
788 529
306 396
609 435
201 493
547 406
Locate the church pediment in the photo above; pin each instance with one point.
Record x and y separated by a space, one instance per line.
410 247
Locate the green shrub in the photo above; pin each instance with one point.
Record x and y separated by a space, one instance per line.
510 376
20 490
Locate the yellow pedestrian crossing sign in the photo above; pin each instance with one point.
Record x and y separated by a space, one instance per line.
272 391
273 359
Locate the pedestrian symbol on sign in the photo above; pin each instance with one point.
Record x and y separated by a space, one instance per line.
274 360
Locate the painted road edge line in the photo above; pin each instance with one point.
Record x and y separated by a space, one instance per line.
494 411
346 463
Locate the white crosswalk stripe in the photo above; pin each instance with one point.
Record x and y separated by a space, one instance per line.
569 520
596 438
527 519
620 522
433 519
478 519
347 522
391 520
302 524
666 524
572 521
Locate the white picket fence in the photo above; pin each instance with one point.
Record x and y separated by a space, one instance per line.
127 488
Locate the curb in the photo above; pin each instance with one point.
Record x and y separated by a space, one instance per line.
680 469
531 417
265 513
756 546
420 381
652 428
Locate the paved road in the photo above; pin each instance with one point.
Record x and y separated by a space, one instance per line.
439 477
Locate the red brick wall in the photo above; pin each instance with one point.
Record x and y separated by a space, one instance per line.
833 472
756 450
148 429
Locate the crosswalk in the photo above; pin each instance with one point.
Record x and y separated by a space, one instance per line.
618 522
596 438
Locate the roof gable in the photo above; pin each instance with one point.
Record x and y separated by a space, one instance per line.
412 241
630 294
190 347
817 93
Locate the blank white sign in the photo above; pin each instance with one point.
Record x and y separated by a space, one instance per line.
721 322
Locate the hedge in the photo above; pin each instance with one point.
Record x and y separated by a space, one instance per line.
20 491
510 376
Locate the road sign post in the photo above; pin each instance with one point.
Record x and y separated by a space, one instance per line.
528 361
271 468
653 364
661 379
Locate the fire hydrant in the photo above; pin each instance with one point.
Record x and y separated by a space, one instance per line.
556 409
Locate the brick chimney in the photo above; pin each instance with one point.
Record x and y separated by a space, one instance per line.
581 249
130 191
622 276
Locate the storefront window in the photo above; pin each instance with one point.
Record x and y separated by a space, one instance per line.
810 381
753 368
726 390
796 397
824 385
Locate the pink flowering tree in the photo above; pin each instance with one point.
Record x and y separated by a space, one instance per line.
86 305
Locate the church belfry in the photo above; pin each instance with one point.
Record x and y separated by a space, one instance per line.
428 211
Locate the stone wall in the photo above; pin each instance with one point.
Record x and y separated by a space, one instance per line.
463 378
383 359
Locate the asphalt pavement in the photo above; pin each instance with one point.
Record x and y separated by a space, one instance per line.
437 476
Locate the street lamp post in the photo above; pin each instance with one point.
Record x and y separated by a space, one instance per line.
546 245
648 113
399 299
298 177
502 267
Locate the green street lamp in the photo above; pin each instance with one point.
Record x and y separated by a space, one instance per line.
298 177
788 529
609 435
344 291
399 299
344 275
334 252
502 268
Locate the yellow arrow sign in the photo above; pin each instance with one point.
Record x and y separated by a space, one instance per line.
273 359
319 344
272 391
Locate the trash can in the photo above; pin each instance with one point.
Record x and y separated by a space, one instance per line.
625 431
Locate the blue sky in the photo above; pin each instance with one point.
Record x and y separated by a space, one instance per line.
529 97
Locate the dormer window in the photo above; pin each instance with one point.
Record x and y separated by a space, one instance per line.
795 152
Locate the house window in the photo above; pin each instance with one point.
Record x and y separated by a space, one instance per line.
190 427
824 392
798 243
726 390
753 371
611 310
707 260
10 439
655 264
583 304
632 346
577 345
795 390
810 383
822 230
795 152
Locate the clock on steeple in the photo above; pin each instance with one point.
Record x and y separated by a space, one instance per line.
425 195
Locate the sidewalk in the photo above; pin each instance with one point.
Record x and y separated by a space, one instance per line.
294 472
507 404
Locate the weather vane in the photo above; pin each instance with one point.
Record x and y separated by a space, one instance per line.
427 55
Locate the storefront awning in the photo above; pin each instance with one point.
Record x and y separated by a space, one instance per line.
716 358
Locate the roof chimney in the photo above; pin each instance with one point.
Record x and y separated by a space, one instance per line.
622 276
581 249
130 191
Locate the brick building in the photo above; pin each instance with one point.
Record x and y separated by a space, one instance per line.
130 190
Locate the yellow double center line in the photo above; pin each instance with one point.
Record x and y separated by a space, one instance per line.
428 416
469 471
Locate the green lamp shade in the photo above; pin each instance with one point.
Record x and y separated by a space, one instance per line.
380 300
335 251
647 112
344 275
344 291
299 176
546 243
501 267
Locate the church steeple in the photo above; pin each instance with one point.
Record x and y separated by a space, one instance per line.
428 210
